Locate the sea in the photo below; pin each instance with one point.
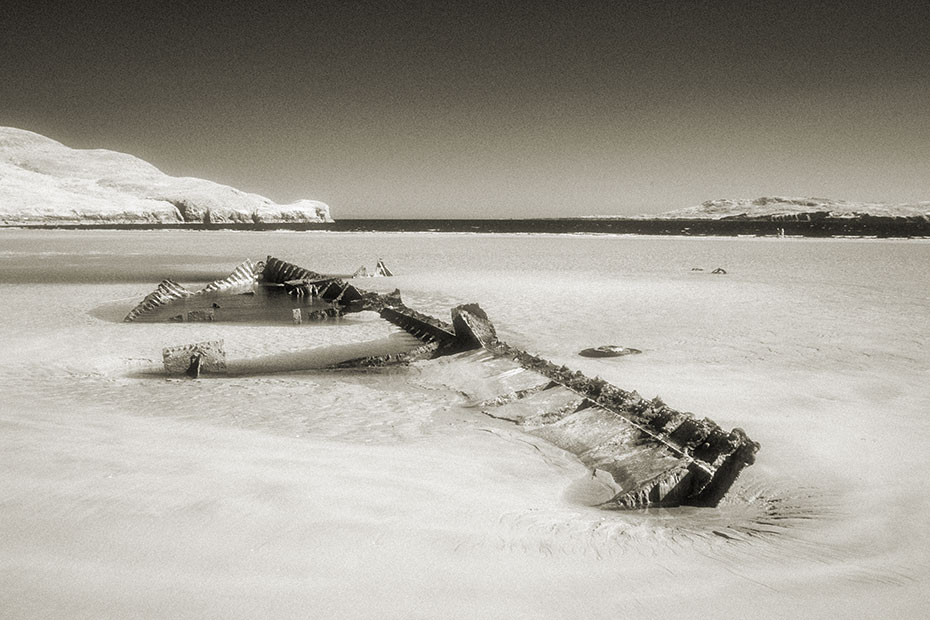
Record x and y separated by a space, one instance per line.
289 490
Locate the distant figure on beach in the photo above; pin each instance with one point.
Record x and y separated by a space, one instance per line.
719 270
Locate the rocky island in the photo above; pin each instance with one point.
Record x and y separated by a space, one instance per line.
784 209
772 216
43 182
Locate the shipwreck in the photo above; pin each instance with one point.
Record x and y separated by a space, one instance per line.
654 455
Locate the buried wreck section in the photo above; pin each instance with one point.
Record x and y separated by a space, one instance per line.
654 455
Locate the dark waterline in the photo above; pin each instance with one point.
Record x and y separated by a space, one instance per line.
865 226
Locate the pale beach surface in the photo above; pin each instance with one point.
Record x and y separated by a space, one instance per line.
379 494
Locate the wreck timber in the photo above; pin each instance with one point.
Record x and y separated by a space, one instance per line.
278 271
240 282
422 326
655 455
166 292
194 359
276 288
253 292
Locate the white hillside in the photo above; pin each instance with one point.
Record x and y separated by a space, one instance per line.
43 181
780 206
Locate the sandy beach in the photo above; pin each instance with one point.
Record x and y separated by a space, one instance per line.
382 495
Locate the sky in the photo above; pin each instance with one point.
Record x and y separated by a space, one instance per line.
488 109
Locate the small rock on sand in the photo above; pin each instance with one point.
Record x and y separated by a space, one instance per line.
608 351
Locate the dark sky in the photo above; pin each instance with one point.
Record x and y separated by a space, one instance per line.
490 109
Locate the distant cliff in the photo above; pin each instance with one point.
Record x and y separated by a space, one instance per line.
777 208
44 182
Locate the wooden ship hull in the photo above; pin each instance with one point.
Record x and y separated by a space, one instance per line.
653 455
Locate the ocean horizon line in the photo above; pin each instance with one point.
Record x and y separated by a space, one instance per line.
873 226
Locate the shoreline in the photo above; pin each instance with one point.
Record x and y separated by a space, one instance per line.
866 227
